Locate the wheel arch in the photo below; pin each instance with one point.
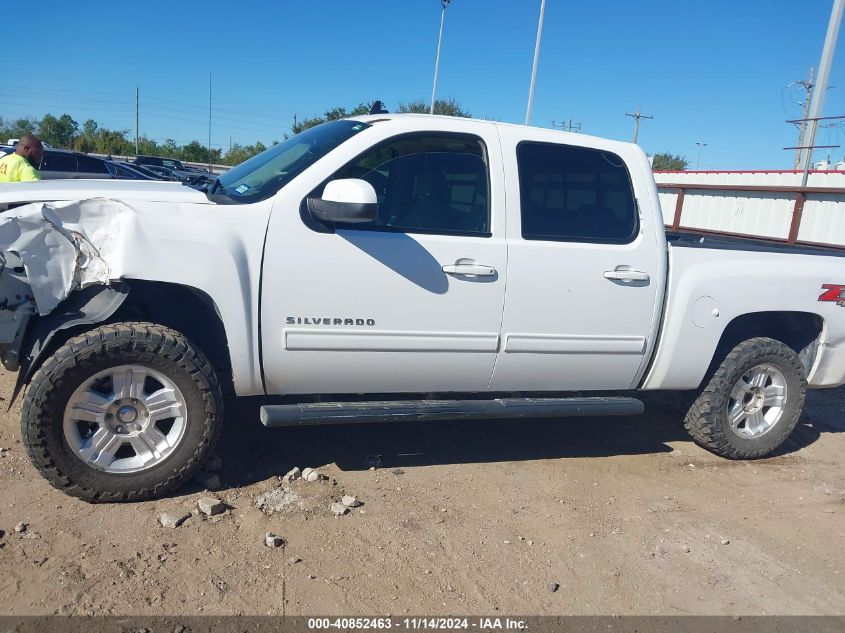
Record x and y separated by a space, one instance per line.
800 331
185 309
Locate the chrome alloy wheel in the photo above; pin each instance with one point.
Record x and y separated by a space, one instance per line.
757 401
125 419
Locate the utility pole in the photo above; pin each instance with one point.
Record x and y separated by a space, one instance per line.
209 121
637 116
534 65
802 128
136 120
443 5
294 123
821 83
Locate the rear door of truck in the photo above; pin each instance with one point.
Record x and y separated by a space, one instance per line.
586 263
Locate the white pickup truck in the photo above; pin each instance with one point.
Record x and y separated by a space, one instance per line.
393 267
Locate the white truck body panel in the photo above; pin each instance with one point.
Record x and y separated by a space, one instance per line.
564 322
547 319
431 331
709 288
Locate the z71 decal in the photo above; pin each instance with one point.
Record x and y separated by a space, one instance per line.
835 293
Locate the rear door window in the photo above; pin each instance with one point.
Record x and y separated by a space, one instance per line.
575 194
59 162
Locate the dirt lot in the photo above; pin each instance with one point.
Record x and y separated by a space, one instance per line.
625 514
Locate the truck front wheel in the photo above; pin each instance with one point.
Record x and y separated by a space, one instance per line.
752 403
124 412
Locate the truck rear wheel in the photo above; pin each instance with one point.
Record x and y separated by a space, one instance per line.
124 412
752 403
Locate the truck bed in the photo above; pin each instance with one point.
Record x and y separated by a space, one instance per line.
692 239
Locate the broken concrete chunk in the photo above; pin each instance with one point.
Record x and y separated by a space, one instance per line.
209 481
293 560
312 475
350 502
292 475
273 540
32 535
211 506
20 528
553 586
174 518
277 500
338 509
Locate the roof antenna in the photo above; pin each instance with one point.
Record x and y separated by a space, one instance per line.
377 108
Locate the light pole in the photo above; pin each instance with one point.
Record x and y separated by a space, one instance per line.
443 5
701 146
534 66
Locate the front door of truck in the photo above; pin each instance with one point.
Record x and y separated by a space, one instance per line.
411 302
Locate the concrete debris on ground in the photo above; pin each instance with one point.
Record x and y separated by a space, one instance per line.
173 519
214 464
211 506
553 586
292 475
209 481
293 560
32 535
277 500
350 501
21 527
338 509
273 540
312 475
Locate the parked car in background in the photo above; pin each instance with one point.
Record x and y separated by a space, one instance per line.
59 164
125 171
162 173
158 161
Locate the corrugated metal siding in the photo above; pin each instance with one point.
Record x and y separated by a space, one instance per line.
764 214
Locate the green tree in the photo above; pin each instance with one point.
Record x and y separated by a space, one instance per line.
17 128
112 142
669 162
239 153
330 115
446 107
58 132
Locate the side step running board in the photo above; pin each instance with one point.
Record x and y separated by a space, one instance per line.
395 410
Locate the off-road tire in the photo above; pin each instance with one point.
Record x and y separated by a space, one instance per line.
148 344
707 419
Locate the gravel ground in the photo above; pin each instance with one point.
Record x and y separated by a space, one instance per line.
578 516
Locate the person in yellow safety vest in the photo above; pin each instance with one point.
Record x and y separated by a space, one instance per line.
22 165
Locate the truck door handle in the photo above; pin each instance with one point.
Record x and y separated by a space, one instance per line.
476 270
626 275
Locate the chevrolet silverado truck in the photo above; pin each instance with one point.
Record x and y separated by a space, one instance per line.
393 267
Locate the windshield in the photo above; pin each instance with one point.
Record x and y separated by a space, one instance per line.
263 175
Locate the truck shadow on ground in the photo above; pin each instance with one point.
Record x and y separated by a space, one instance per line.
252 453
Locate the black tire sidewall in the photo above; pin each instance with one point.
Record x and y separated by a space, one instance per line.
787 362
100 356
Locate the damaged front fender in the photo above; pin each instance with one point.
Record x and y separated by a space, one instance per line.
54 275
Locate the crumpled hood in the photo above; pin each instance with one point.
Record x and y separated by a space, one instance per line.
63 246
141 190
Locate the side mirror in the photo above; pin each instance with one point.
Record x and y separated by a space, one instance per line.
345 200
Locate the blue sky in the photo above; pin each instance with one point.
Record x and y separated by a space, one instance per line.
712 71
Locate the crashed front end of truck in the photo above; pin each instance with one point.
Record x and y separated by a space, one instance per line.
54 274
